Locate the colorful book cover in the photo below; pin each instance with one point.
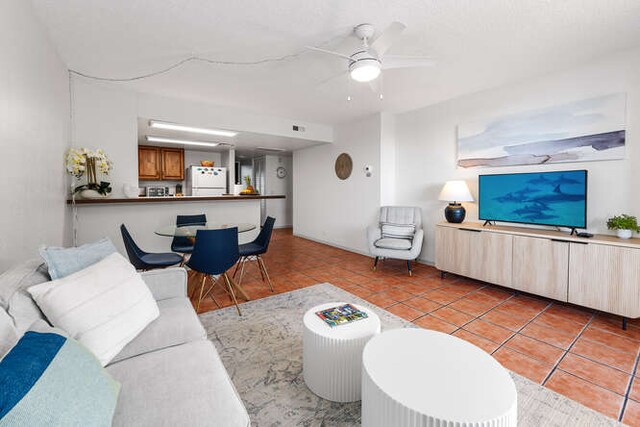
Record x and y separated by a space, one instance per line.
336 316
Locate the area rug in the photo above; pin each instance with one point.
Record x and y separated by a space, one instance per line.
262 351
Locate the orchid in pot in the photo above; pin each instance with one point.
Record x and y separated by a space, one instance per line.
80 162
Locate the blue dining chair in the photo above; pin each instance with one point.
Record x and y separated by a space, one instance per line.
215 252
254 251
145 260
184 245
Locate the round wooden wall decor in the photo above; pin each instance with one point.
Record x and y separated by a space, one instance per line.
344 166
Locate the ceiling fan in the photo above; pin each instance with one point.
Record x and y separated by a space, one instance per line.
368 60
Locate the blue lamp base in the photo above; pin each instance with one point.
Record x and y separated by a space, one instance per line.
455 213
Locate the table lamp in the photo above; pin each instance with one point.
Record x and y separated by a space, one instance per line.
455 192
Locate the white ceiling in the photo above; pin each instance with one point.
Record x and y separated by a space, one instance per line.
477 44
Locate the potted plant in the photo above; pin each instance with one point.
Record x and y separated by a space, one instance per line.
80 162
624 224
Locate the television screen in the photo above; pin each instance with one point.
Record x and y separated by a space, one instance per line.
545 198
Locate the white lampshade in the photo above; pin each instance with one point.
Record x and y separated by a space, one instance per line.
456 191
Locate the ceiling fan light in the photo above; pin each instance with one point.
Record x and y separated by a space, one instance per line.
365 70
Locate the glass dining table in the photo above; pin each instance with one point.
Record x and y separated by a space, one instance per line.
190 231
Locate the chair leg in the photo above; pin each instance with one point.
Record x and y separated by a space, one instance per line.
209 292
233 294
204 279
244 261
184 259
263 267
237 267
409 267
375 263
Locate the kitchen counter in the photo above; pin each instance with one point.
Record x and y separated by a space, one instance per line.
171 199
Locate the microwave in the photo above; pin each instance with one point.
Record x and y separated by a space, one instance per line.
157 191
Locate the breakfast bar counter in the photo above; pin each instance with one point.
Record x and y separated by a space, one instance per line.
172 199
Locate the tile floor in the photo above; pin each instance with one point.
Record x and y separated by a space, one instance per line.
576 352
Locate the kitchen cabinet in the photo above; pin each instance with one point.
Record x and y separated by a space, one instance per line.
172 164
158 163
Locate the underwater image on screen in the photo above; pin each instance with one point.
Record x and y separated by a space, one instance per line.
546 198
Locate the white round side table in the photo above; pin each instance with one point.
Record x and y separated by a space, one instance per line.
332 356
416 377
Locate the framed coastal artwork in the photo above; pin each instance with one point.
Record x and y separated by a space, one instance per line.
582 131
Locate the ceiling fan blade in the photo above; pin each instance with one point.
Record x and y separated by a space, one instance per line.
384 41
332 78
399 61
317 49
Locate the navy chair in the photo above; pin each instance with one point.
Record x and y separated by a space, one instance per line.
215 252
254 251
144 260
184 245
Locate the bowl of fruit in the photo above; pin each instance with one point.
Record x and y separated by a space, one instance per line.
249 191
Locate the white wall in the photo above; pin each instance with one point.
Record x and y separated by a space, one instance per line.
426 141
143 219
106 116
34 134
192 157
328 209
280 209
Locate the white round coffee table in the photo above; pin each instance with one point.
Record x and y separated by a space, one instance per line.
332 356
416 377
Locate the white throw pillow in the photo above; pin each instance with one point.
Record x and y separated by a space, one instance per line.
104 306
398 231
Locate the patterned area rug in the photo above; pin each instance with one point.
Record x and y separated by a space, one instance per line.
262 350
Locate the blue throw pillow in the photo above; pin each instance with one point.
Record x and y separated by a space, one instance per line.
62 262
50 380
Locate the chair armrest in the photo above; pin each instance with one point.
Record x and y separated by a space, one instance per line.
166 283
373 234
416 245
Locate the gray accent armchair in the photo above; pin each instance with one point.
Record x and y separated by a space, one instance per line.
396 248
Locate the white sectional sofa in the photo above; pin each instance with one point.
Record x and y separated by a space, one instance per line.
171 375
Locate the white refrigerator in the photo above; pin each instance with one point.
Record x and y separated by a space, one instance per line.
206 181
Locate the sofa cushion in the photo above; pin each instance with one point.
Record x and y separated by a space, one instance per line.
62 262
8 333
21 276
390 243
185 385
104 306
397 231
177 324
49 379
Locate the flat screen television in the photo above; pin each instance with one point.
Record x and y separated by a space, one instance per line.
545 198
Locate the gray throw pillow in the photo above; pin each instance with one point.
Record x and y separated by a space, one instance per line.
62 262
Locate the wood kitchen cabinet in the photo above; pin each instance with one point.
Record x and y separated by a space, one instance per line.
172 163
157 163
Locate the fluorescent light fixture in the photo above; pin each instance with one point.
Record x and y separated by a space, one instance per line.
270 149
174 126
181 141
